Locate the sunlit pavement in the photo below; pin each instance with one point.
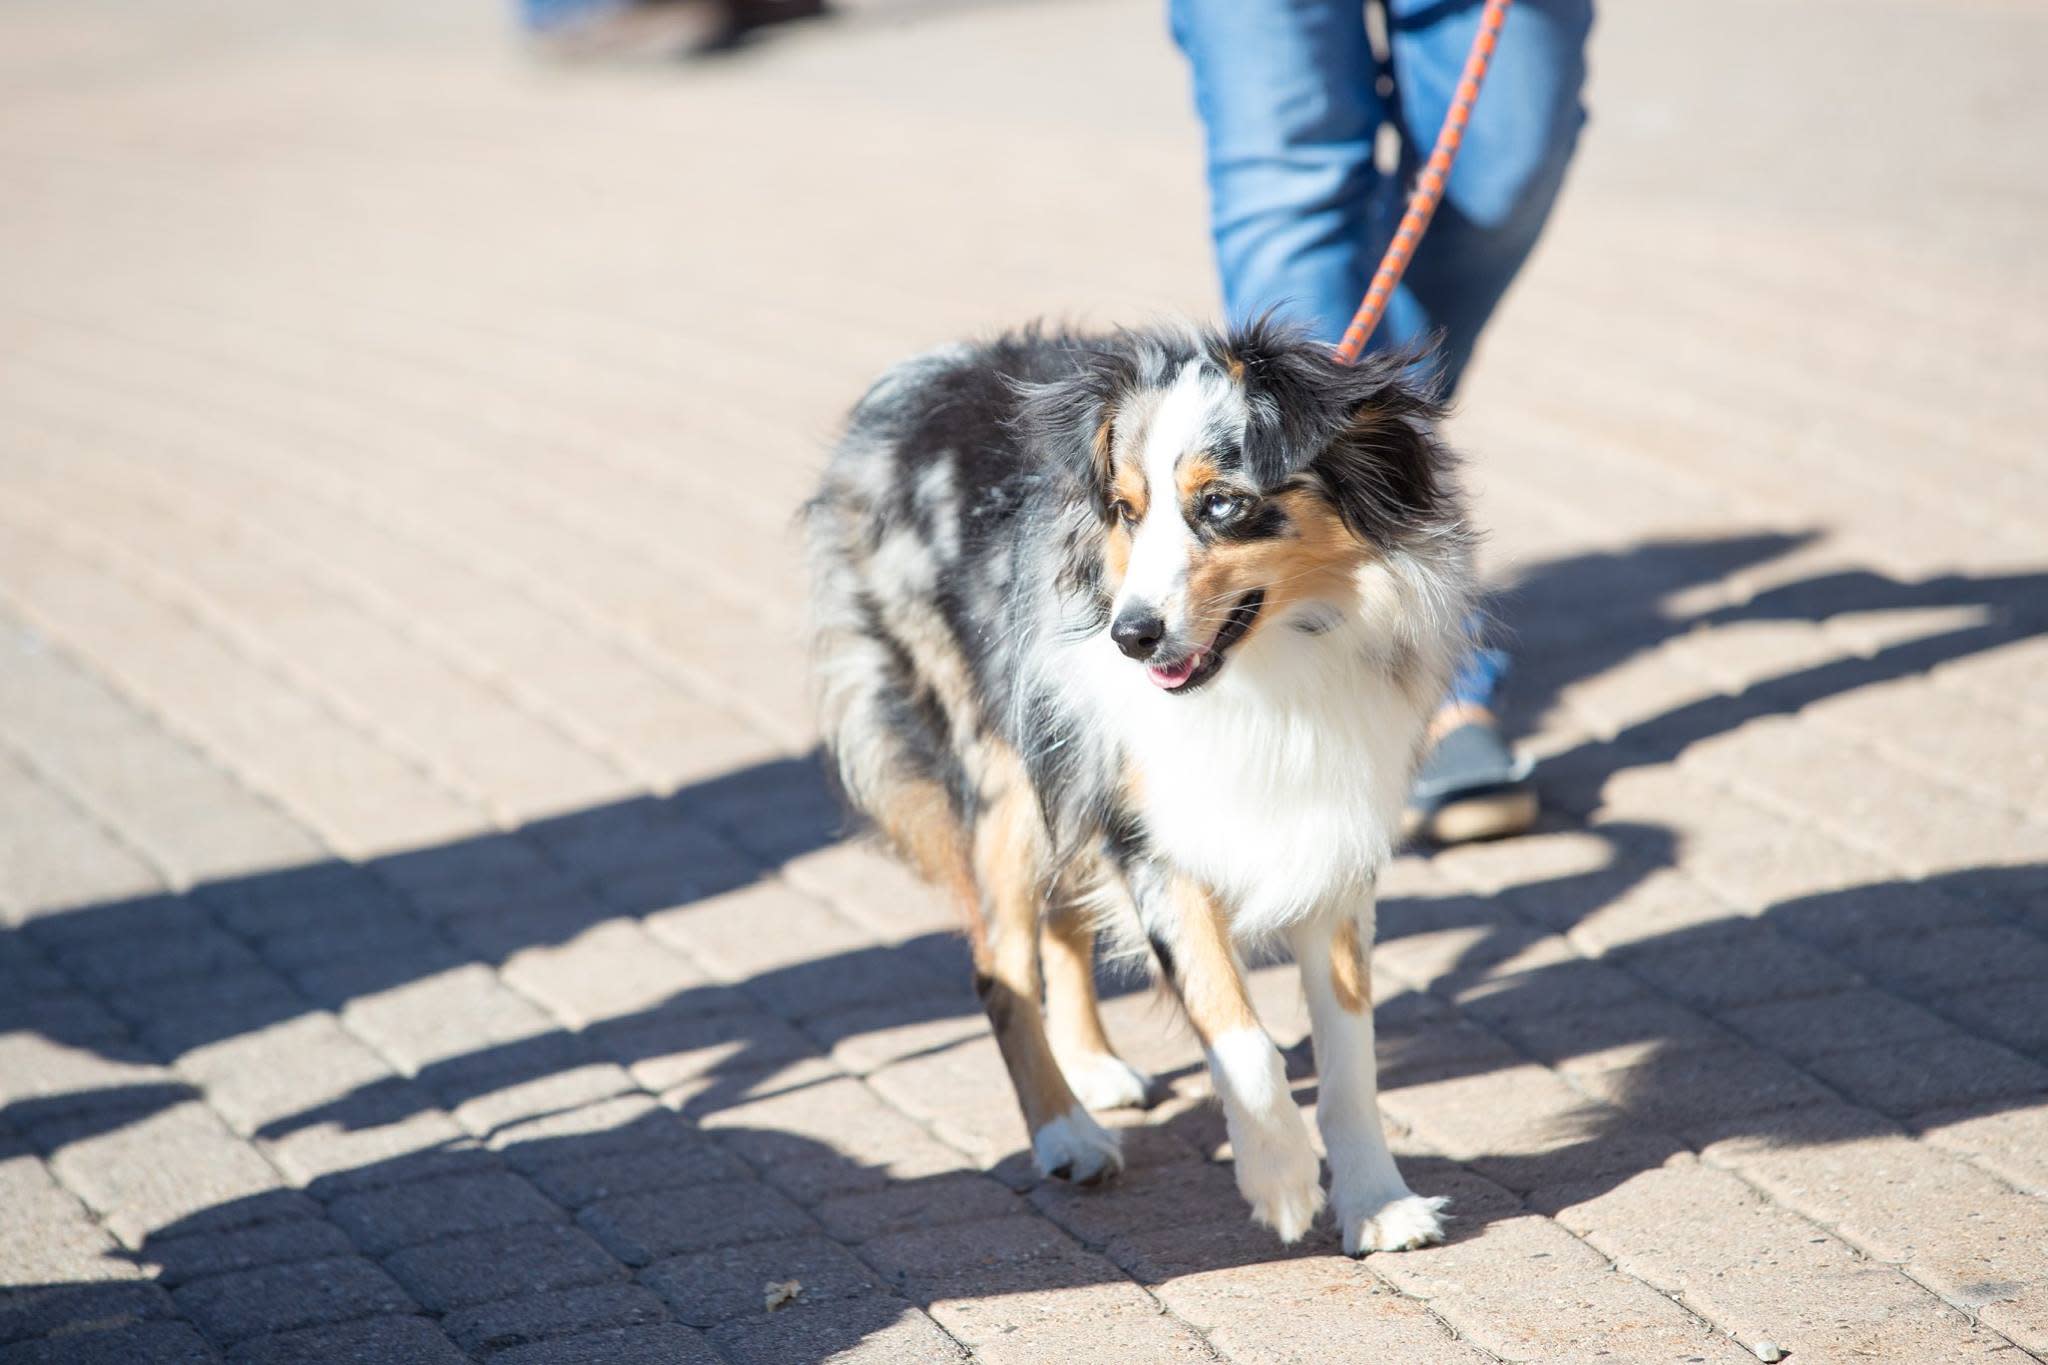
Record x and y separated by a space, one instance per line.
425 934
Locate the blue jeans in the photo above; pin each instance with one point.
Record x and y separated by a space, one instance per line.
1289 91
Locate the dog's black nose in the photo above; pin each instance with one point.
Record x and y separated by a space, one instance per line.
1138 631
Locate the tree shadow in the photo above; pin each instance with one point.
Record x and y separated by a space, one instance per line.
623 1213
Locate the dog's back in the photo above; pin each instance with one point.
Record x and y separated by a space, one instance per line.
912 542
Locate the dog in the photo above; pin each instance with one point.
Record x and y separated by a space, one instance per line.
1139 634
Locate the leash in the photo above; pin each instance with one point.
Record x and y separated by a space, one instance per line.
1429 186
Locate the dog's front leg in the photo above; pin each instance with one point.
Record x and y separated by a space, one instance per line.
1375 1208
1277 1168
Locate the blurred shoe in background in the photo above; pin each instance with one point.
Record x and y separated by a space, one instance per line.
651 30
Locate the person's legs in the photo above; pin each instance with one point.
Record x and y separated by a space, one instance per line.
1522 133
1521 137
1286 91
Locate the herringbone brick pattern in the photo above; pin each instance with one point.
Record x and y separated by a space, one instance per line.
426 937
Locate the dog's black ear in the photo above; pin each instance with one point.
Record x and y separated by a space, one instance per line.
1386 470
1366 432
1070 418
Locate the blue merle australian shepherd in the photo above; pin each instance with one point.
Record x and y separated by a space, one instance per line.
1138 634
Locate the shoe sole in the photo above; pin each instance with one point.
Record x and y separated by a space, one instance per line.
1496 815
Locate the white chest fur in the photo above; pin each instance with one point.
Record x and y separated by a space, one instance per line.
1280 784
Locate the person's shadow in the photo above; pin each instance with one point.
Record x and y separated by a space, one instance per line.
690 1211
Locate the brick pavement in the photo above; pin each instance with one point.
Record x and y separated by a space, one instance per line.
425 937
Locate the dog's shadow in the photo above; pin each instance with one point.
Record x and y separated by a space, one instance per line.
161 979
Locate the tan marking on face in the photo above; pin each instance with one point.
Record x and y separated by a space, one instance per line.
1316 558
1194 473
1127 484
1350 975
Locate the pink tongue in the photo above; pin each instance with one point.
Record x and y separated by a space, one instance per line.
1170 678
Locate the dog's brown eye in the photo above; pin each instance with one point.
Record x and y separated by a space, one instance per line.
1123 512
1223 506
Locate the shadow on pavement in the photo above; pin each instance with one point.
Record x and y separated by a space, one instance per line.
1851 996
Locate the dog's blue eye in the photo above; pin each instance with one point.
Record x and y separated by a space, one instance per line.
1221 506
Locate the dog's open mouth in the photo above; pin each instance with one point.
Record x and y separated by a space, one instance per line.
1190 671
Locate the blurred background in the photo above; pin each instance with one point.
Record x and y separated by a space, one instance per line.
403 721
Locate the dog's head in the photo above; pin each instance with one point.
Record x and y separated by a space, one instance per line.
1238 481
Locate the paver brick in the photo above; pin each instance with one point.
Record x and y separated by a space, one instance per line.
399 768
649 1226
177 1165
1934 1073
113 960
1952 1227
1298 1309
957 1197
1759 1272
190 1256
49 1309
68 1244
383 1220
371 1341
444 1016
279 1298
380 1137
659 1344
614 968
841 1117
495 1111
1604 1039
1528 1290
1688 1086
145 1343
668 1160
506 1323
1144 1196
1816 1025
1731 972
516 1262
672 1048
258 1076
866 1331
712 1287
290 900
1114 1318
1933 965
2010 1142
1522 1128
2013 1012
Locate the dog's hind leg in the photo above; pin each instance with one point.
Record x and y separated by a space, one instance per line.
1375 1209
1010 866
1278 1171
1097 1076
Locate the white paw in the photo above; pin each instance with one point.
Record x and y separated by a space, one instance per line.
1282 1180
1102 1081
1075 1147
1399 1224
